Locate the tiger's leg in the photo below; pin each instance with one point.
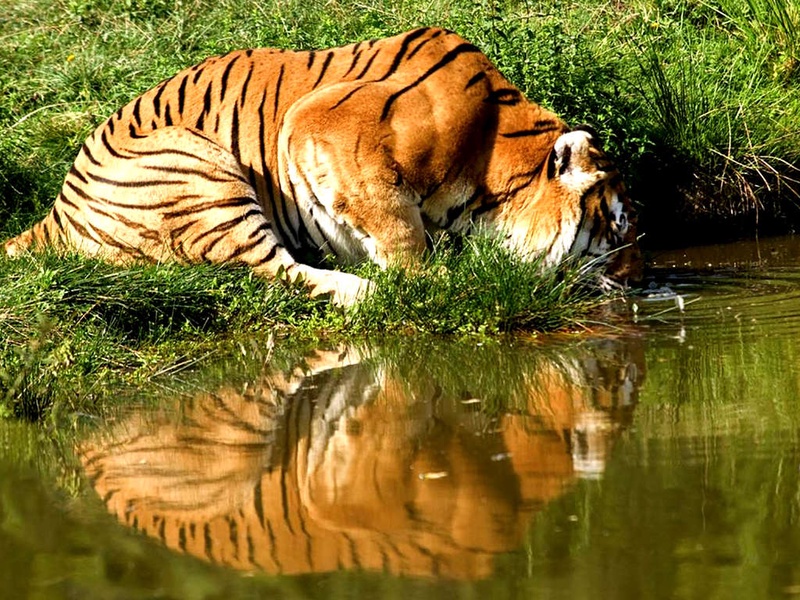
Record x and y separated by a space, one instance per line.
335 158
174 194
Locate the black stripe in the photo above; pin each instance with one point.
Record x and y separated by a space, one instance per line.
110 126
269 188
109 148
401 52
206 107
479 76
182 94
250 246
539 127
208 543
273 548
325 66
251 549
207 98
167 116
44 228
301 231
137 206
57 216
280 211
252 179
225 75
505 97
234 202
133 184
235 133
233 536
195 173
262 134
78 192
197 75
134 133
367 66
265 259
347 96
464 48
81 229
125 221
262 228
88 154
422 44
278 92
246 84
355 60
157 100
311 56
77 174
137 116
176 232
229 224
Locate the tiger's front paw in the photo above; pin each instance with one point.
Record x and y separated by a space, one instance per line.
347 289
343 289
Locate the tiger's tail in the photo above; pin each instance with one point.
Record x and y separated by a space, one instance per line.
41 235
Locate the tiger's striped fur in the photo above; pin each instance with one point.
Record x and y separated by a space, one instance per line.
275 159
345 462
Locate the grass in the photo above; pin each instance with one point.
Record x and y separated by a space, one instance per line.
73 332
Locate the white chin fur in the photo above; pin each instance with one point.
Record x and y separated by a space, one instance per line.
569 146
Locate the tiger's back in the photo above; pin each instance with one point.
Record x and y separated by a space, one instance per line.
276 158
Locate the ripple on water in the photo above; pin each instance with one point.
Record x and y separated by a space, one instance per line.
727 290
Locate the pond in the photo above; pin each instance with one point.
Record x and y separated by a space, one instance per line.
657 456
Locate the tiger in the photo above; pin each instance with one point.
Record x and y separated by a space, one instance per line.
290 161
343 461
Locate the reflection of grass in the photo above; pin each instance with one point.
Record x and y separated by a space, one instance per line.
70 328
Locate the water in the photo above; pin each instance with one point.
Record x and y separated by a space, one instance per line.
658 457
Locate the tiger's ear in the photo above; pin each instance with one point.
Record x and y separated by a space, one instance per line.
572 160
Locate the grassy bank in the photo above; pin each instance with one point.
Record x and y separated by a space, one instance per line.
73 332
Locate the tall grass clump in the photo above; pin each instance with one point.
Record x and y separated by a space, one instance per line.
720 93
480 288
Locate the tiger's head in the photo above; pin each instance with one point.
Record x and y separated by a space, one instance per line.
578 207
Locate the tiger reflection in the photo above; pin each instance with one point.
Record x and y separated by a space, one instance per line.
343 463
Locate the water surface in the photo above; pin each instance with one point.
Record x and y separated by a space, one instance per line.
658 457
